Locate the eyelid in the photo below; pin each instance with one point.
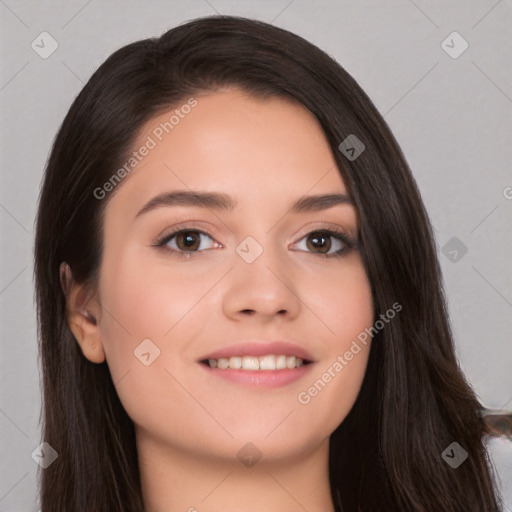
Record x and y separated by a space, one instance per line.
186 226
333 230
349 242
327 226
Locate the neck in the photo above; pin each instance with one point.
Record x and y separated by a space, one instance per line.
192 482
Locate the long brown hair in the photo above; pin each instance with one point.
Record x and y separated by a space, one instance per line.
414 402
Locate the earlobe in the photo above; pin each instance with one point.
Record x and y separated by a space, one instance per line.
88 338
82 315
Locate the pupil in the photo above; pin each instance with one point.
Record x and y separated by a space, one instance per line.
315 240
188 238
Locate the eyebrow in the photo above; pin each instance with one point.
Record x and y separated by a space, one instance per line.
223 202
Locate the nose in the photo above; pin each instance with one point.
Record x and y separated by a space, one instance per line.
263 289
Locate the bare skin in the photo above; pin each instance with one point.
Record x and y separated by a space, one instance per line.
191 423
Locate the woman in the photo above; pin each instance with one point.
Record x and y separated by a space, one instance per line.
239 299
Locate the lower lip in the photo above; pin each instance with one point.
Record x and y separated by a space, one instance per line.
260 378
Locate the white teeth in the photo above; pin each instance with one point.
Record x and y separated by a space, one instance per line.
250 363
281 362
268 362
291 362
222 363
235 362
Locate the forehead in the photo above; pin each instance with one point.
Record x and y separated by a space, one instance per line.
231 141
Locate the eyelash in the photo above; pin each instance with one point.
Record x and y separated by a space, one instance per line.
348 241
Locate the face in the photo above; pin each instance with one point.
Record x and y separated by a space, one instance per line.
245 280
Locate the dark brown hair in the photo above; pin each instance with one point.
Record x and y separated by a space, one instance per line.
414 400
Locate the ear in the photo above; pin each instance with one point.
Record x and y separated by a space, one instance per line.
83 313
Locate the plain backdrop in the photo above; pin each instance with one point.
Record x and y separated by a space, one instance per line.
450 108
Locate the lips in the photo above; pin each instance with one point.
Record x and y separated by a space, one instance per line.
260 348
217 364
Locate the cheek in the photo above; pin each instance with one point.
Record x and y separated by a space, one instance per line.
345 312
146 326
142 300
342 302
328 397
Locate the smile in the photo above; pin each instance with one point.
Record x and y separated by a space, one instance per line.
259 363
254 363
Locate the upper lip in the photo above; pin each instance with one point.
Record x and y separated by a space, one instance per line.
260 348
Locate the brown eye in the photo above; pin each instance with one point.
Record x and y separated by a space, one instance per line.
188 240
326 242
319 240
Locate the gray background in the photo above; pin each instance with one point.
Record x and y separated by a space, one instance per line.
451 116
